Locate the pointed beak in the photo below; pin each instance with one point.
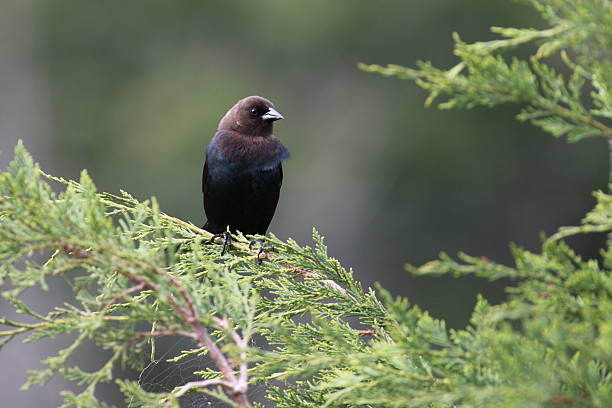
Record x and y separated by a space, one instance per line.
271 115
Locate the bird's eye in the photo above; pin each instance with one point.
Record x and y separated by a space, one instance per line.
253 111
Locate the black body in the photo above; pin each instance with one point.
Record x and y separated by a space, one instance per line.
243 173
245 200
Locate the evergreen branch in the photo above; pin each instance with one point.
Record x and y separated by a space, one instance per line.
159 333
125 293
201 384
466 93
236 387
21 328
565 232
130 205
597 220
578 117
403 355
490 80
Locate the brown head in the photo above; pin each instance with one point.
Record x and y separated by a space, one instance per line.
251 116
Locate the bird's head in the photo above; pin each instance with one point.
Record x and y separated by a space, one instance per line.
252 116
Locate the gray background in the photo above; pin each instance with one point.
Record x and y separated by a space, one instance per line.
133 91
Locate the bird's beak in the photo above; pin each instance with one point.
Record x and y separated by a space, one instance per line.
272 115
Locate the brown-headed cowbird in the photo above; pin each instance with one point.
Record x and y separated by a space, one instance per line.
243 172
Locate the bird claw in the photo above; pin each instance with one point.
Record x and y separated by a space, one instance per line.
262 247
227 240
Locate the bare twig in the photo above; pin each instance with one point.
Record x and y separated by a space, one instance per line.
74 250
200 384
244 367
159 333
325 282
124 294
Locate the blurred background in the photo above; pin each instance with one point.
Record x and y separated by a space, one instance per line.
133 91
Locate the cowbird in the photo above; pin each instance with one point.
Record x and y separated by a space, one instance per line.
243 172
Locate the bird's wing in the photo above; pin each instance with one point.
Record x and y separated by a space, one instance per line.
205 195
280 174
205 177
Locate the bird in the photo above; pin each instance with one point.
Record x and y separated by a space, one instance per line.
243 171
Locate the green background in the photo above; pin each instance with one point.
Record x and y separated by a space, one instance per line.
133 91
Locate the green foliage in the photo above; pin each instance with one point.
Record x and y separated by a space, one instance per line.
550 343
139 274
138 261
580 32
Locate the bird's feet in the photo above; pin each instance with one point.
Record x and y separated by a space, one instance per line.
226 240
262 246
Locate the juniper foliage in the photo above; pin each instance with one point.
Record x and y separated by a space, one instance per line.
580 34
139 274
